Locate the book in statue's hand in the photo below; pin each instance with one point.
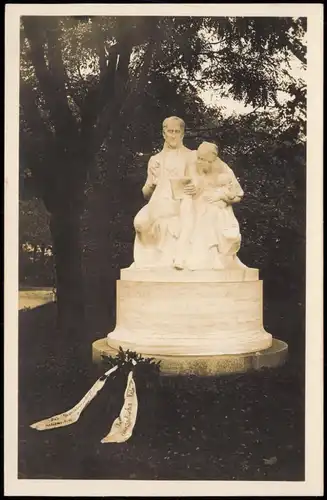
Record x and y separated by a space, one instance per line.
177 186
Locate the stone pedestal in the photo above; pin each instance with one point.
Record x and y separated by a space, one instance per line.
190 313
207 366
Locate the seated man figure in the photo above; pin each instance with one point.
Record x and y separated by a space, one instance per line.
157 223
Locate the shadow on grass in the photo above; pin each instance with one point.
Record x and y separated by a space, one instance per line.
239 427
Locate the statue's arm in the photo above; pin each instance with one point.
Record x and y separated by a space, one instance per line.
237 191
147 191
190 170
233 193
150 184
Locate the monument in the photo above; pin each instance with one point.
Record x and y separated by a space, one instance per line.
187 299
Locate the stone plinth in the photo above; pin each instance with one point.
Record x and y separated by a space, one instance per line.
272 357
190 313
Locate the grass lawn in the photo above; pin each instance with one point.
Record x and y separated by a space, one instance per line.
239 427
35 297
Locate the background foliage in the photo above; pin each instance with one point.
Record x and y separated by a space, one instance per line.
94 91
93 94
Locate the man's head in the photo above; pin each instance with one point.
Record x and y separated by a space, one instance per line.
173 131
207 154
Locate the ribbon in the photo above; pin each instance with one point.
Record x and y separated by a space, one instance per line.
71 416
122 428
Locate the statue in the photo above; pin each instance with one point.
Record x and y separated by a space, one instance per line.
210 235
187 295
157 223
188 222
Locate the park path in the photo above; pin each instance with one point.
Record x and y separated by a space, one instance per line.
35 297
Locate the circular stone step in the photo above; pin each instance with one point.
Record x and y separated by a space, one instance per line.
272 357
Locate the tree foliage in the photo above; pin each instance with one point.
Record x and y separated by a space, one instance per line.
94 91
33 223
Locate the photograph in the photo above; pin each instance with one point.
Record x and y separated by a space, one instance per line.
163 195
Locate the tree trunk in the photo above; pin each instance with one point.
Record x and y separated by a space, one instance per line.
42 256
65 231
34 254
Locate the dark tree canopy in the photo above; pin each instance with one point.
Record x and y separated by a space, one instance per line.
94 91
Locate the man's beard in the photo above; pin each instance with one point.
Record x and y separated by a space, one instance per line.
174 145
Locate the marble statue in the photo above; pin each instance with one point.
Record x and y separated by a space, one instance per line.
188 222
210 235
157 223
187 294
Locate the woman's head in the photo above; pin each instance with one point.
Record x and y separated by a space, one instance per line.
207 154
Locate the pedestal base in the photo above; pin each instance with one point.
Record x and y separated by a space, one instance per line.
272 357
183 313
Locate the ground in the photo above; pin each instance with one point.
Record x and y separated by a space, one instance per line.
245 427
30 298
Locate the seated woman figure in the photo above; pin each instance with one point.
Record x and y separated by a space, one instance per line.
210 235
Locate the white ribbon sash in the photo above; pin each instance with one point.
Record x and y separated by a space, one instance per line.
71 416
122 428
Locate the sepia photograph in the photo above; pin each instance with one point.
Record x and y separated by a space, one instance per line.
161 183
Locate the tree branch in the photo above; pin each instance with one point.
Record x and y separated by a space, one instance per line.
297 53
57 67
96 100
52 83
29 157
28 102
79 72
115 92
140 83
100 41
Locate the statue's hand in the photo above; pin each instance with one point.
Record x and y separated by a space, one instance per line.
215 199
236 199
209 198
154 171
190 189
221 204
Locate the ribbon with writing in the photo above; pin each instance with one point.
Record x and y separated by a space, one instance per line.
71 416
122 428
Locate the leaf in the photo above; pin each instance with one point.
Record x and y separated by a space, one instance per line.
270 461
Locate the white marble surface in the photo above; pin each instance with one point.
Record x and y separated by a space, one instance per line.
188 221
202 276
189 318
187 293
